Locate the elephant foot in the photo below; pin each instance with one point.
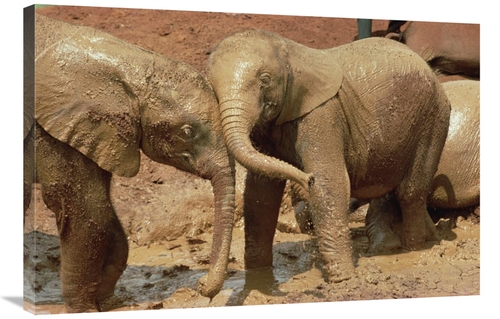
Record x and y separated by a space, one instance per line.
338 272
421 238
383 242
110 276
263 280
413 241
78 296
109 303
106 299
79 307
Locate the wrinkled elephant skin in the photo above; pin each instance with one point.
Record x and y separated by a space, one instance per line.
100 101
456 182
450 48
350 121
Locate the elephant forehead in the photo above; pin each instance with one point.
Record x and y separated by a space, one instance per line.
244 71
232 77
252 47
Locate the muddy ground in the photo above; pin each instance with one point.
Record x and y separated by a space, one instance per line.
167 214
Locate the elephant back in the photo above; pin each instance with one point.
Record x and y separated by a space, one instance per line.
83 96
456 183
385 80
373 58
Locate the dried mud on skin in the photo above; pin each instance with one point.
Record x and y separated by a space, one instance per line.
168 214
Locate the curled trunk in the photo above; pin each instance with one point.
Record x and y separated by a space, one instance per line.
236 132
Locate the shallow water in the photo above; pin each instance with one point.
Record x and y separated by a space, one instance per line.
166 274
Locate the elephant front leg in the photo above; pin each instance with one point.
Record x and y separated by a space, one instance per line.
329 204
114 264
94 248
81 251
262 200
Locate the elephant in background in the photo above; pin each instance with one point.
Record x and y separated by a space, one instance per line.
449 48
395 26
100 101
362 120
456 182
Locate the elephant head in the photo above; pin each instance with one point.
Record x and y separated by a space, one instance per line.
261 79
109 100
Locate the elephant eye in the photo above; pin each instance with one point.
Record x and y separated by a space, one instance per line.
187 157
265 79
187 131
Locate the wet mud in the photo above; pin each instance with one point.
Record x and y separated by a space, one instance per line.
168 215
164 274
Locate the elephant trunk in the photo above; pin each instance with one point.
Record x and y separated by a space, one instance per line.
236 131
223 183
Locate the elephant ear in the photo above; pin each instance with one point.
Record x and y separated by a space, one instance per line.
89 107
316 77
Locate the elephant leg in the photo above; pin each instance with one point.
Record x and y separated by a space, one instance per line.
329 206
322 153
94 249
28 169
412 196
115 261
379 225
262 200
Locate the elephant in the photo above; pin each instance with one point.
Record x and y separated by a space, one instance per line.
395 26
97 103
449 48
358 120
456 183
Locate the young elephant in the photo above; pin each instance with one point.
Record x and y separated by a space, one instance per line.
98 102
456 182
450 48
359 120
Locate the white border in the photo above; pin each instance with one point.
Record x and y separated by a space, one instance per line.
11 257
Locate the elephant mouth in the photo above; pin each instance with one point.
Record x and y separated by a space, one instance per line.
187 162
206 166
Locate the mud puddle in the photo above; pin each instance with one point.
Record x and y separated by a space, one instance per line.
165 274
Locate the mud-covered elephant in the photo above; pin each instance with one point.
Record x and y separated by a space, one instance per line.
98 102
456 182
449 48
360 120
